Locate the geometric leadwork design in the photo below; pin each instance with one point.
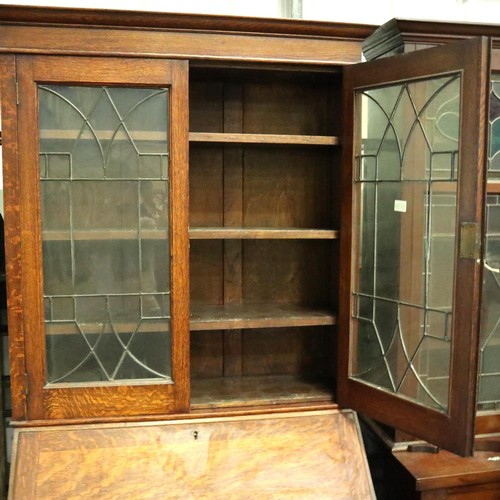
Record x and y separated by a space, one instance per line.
494 159
489 349
104 160
406 185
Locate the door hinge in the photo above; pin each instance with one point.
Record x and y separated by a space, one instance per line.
26 385
17 93
470 240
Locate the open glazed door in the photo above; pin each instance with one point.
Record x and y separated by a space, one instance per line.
103 160
414 169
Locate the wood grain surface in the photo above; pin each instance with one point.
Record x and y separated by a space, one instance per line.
245 47
12 227
172 21
312 140
446 470
261 233
234 392
295 456
92 401
213 317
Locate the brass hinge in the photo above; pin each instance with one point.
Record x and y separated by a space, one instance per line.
470 240
17 92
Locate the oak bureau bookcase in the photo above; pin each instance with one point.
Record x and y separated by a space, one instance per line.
214 219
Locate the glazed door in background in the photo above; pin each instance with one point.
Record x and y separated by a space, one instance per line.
108 171
489 355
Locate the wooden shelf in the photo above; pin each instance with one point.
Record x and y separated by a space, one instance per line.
106 234
269 389
261 233
228 317
304 140
493 187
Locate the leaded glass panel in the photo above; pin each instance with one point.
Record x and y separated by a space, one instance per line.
494 160
104 161
489 347
406 197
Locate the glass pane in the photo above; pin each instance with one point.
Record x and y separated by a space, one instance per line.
494 159
406 185
489 351
105 239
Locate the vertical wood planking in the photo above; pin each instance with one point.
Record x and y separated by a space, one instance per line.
179 233
12 236
233 217
32 283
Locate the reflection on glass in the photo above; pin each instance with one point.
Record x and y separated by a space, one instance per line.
489 352
406 184
494 160
105 218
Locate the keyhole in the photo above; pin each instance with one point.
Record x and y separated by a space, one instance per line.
195 434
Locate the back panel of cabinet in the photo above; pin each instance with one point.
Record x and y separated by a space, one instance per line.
264 169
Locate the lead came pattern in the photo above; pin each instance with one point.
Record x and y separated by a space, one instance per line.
489 382
407 168
104 193
489 354
494 159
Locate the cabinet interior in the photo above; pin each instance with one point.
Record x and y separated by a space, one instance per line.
264 218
